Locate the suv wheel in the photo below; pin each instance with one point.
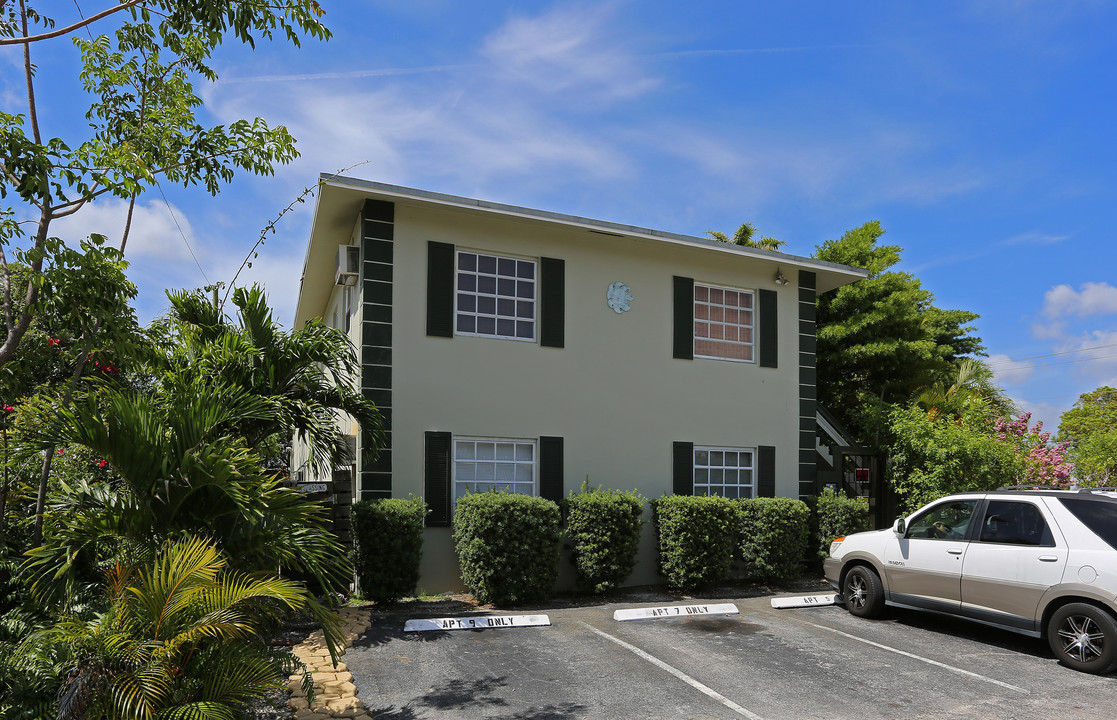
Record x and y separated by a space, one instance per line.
1084 637
862 592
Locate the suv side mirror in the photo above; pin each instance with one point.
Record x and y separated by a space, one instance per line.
899 527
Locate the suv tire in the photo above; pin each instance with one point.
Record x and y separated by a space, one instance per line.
1083 637
862 592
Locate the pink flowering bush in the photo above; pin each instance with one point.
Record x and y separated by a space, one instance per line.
1044 463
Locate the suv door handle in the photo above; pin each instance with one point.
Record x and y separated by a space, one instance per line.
1049 558
955 551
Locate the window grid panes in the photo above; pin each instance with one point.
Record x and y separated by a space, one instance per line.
495 296
484 464
728 472
723 323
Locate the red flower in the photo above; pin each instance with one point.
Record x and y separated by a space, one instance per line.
102 463
61 451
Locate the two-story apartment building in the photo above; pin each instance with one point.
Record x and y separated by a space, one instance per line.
522 349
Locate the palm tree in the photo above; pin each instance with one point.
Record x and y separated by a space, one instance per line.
183 637
972 393
743 237
178 470
305 376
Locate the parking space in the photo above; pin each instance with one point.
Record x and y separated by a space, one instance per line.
762 663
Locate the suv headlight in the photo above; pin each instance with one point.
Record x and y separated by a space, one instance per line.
837 543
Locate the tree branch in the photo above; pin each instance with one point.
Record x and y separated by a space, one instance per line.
26 40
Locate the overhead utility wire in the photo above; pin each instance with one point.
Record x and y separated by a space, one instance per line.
180 232
1065 352
1065 362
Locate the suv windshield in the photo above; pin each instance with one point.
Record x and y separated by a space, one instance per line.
1101 517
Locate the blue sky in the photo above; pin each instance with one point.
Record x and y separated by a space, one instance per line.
981 134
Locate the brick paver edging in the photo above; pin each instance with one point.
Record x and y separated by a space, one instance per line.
335 693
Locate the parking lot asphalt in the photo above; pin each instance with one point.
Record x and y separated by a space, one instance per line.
817 662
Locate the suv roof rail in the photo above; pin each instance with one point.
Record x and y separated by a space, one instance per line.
1027 487
1102 488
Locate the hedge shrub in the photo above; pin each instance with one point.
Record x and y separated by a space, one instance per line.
508 546
697 536
774 533
839 515
388 545
603 527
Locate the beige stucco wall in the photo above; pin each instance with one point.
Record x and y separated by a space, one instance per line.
614 393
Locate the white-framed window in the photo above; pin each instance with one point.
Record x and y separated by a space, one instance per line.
495 296
483 464
724 323
729 472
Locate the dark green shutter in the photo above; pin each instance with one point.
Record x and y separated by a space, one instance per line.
766 471
684 319
767 333
682 468
551 484
436 478
440 289
552 302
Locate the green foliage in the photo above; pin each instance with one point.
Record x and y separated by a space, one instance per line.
142 124
697 537
1095 459
508 546
178 469
743 236
388 546
1091 429
881 338
302 376
930 458
183 636
604 530
774 534
839 515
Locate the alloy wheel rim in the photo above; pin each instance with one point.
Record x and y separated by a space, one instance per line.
856 588
1081 638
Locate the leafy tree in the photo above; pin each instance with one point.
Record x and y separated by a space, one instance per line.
142 120
183 636
930 457
743 237
1042 462
882 338
1090 428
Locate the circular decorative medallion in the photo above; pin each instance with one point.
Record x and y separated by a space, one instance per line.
620 298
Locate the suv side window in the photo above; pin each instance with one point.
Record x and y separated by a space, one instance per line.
1015 523
947 521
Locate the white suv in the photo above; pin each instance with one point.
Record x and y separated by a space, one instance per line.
1038 562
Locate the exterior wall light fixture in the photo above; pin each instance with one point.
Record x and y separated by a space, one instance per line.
780 279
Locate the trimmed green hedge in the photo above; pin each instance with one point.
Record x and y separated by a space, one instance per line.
604 530
388 546
839 515
774 534
697 536
508 546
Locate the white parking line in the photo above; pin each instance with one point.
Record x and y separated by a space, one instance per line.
929 661
678 673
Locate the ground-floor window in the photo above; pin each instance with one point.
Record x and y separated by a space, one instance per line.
483 464
728 472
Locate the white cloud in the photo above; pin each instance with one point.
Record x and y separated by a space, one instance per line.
1035 238
154 232
1092 298
568 48
1007 371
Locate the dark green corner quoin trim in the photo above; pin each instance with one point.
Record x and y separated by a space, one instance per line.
377 257
808 379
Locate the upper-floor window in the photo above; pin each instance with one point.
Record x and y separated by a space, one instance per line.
495 296
723 323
